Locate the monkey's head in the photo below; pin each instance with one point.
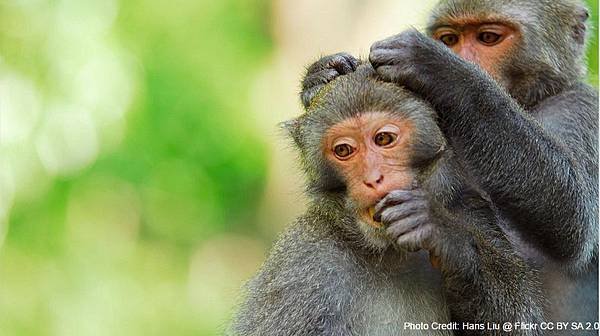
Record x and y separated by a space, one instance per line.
362 138
533 47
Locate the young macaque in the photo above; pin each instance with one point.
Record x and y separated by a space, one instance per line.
383 182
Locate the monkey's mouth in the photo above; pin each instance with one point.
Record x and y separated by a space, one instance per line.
368 214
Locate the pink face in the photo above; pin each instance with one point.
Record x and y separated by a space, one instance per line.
372 153
486 42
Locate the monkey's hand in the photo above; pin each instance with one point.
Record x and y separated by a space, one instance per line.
405 213
406 59
324 71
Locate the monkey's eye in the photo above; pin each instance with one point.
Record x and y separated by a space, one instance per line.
383 139
489 38
449 39
343 151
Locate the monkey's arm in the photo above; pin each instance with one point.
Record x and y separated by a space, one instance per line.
485 280
323 71
531 169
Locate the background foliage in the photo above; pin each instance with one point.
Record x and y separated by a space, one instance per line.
142 177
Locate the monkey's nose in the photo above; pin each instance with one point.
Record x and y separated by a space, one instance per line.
374 182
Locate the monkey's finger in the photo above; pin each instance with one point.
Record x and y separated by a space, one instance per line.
343 68
417 191
319 78
379 57
326 61
400 211
345 63
400 73
415 239
392 198
313 83
405 225
355 62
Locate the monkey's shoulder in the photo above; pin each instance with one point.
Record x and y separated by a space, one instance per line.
307 285
316 245
578 102
315 282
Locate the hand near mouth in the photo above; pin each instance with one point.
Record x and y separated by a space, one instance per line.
405 215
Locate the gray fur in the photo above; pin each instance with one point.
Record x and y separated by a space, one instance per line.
330 274
549 57
530 140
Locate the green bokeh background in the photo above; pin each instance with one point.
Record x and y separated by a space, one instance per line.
107 246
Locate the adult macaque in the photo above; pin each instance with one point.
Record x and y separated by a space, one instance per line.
371 149
505 82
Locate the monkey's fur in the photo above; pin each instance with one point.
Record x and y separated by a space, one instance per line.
553 37
529 139
329 275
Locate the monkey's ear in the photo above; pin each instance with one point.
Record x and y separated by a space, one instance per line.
292 129
579 31
583 14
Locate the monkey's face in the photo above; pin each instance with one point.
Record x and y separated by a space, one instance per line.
371 151
487 42
532 48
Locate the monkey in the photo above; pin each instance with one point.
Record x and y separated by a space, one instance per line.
505 78
347 266
525 126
